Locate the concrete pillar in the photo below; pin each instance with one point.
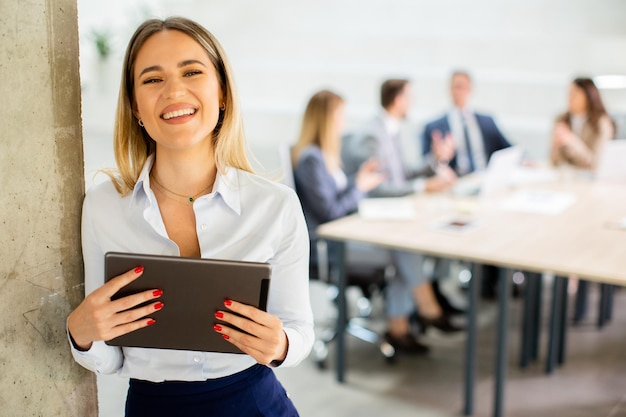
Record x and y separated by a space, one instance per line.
42 186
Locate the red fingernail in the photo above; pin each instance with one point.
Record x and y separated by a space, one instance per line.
157 293
217 328
139 269
151 322
225 336
158 306
228 303
219 315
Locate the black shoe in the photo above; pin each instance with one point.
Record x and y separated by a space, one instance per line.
407 343
442 323
443 301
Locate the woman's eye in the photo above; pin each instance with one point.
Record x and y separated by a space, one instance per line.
192 73
151 80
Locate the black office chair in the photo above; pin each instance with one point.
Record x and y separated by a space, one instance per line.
370 278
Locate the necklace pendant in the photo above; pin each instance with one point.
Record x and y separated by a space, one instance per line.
191 199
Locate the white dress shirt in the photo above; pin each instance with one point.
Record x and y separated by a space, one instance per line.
246 218
455 120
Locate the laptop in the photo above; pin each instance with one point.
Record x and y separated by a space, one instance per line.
193 290
611 162
498 175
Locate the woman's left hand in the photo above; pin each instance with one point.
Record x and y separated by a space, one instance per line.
561 135
266 341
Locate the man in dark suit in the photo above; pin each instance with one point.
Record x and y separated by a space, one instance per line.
462 138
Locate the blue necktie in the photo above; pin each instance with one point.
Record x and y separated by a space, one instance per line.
468 146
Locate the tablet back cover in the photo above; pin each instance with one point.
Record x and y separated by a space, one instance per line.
193 290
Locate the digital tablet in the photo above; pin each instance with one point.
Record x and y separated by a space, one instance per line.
193 290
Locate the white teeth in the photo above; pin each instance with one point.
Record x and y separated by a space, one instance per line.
178 113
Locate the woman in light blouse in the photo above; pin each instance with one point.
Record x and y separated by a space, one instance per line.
580 133
184 187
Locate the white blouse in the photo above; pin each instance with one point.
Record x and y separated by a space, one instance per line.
246 218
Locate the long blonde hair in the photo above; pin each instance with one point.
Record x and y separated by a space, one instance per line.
319 128
133 145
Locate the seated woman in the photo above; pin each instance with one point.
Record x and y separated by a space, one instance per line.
580 133
327 194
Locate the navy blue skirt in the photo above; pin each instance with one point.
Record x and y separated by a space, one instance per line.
249 393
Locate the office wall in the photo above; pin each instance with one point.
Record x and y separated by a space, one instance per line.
41 170
522 53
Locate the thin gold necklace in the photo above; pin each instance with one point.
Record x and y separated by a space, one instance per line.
189 199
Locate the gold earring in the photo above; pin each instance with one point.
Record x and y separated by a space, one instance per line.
140 122
223 107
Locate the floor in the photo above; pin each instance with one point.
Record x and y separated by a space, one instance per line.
591 383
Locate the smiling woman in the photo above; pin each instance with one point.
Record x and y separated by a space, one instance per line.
184 187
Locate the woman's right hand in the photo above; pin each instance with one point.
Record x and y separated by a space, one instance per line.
369 176
99 318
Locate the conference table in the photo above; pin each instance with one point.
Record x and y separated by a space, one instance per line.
557 224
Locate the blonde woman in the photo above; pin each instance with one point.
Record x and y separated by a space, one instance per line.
185 188
324 190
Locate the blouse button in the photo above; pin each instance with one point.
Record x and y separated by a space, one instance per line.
204 226
196 359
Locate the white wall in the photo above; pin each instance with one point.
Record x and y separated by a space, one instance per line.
522 53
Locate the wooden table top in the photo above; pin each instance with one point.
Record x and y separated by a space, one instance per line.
585 239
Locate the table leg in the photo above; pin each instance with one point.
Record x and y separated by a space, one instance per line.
580 306
555 319
609 303
341 312
604 310
501 346
528 320
563 322
536 332
470 350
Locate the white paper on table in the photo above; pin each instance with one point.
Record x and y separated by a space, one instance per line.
533 175
539 201
393 208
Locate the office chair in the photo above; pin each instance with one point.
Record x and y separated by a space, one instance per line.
370 278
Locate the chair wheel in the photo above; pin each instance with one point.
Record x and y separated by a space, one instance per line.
388 351
320 352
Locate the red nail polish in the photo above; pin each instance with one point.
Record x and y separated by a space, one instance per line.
219 315
217 328
158 306
157 293
139 269
228 303
151 322
225 336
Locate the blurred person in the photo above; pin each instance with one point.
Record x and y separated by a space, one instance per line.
578 137
379 140
180 152
580 133
462 138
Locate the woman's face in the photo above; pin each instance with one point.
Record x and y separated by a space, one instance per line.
338 118
177 94
577 100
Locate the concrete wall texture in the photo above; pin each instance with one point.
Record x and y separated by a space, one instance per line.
41 172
